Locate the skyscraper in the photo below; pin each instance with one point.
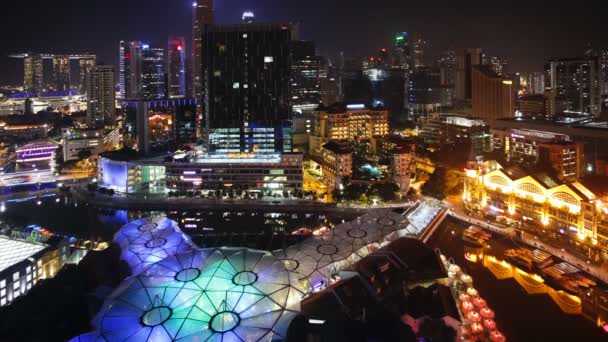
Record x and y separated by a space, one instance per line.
85 65
497 64
536 83
153 85
603 57
493 95
247 75
573 86
424 91
142 71
124 69
418 45
176 63
401 50
32 67
466 59
101 109
61 72
202 15
305 78
447 68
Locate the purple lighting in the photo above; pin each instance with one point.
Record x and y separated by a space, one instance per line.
36 151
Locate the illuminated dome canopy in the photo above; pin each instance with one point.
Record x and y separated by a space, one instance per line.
314 260
148 240
224 294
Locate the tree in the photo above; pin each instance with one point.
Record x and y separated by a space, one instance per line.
84 154
260 195
386 191
436 185
353 192
337 195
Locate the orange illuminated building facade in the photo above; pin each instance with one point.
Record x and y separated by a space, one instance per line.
337 163
346 123
571 209
493 96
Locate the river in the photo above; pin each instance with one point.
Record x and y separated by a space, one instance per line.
520 316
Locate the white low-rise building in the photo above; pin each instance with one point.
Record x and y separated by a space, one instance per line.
96 141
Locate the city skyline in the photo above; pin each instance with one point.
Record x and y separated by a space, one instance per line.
526 36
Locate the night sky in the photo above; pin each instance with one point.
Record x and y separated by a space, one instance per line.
525 34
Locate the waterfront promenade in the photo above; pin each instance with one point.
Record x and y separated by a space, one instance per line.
533 241
142 202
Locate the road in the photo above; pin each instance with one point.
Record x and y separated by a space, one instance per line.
311 183
171 203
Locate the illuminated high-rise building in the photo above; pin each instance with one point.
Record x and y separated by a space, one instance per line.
382 60
124 69
466 59
447 68
202 15
60 77
536 83
85 65
418 45
305 78
247 75
61 72
573 86
101 107
176 64
493 95
423 90
497 64
153 85
603 57
32 67
401 50
142 71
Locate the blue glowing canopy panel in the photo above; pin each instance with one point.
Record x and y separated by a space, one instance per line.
223 294
146 241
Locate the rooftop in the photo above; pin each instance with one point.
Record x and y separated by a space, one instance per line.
15 251
342 107
488 72
407 259
339 147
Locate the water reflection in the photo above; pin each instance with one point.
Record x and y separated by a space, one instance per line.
523 315
63 216
574 292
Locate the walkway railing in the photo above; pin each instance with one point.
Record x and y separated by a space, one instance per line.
530 240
